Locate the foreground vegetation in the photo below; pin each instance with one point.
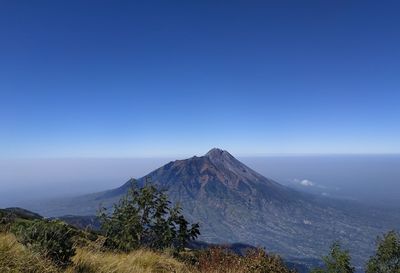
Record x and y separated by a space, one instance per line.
143 234
16 257
146 234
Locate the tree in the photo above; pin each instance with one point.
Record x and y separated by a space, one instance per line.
387 256
144 217
338 261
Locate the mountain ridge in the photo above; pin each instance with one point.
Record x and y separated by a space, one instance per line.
233 203
216 166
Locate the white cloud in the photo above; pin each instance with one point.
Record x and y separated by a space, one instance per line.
306 183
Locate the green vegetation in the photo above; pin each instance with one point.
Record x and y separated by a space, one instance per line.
12 215
387 256
16 258
385 260
52 239
145 218
338 261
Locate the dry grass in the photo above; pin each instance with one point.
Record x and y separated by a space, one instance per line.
15 258
140 261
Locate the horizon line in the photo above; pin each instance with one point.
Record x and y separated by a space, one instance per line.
191 155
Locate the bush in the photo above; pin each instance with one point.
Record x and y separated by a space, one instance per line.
338 261
9 216
52 239
5 221
258 261
223 260
145 218
14 258
387 256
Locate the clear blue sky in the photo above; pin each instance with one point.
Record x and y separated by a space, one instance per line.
161 78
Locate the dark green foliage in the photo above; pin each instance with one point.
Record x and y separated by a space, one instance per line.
52 239
22 213
10 215
338 261
387 256
6 219
145 218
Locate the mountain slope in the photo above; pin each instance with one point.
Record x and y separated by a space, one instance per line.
233 203
15 212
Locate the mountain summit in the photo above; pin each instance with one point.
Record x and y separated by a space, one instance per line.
237 175
234 203
218 153
215 178
229 166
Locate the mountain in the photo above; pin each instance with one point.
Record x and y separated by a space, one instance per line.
15 212
233 203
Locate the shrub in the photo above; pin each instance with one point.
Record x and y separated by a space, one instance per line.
222 260
15 258
258 261
145 218
338 261
6 219
51 239
387 256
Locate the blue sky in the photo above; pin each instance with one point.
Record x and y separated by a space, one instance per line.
166 78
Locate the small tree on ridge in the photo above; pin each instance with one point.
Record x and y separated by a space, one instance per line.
144 217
